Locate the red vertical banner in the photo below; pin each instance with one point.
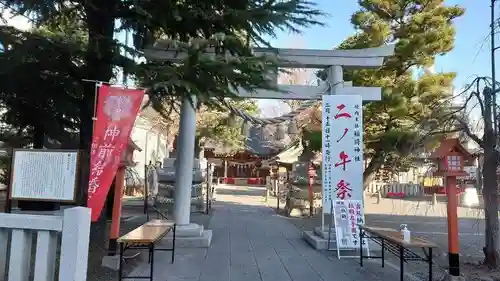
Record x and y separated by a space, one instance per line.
117 110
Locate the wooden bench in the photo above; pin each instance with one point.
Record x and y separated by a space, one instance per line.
145 237
392 241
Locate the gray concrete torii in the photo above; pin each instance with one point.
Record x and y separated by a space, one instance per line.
333 60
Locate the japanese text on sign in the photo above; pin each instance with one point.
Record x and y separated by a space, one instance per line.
116 112
342 148
348 215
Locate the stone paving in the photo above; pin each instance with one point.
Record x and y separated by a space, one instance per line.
252 243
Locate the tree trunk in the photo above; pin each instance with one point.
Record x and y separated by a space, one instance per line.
370 171
38 136
490 192
490 198
100 19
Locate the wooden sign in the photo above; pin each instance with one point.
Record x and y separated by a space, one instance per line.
44 175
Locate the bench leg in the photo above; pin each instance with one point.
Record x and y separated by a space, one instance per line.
173 243
152 251
401 262
120 266
383 250
150 254
430 264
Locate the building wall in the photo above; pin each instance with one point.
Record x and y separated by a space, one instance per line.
153 145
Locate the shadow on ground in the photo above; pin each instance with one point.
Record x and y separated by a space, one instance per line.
250 192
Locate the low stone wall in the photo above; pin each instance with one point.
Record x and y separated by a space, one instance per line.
166 193
409 189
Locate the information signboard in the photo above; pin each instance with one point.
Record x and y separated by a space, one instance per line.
44 175
348 214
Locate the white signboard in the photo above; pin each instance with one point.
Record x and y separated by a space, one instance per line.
44 175
342 148
348 214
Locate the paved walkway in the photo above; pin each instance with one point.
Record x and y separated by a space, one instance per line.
252 243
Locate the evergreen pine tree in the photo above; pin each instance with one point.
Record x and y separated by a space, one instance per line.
414 111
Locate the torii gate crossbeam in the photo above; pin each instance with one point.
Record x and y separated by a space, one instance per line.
301 58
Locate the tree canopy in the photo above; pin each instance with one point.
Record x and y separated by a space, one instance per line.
231 28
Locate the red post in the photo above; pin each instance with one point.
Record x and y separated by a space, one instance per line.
311 173
453 242
114 232
451 157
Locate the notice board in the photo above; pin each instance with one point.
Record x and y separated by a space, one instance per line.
44 175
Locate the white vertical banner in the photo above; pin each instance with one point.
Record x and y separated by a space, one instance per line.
342 148
343 167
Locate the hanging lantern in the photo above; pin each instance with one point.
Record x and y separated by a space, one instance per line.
292 127
280 132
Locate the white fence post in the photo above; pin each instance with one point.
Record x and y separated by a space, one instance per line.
20 254
45 256
75 244
4 237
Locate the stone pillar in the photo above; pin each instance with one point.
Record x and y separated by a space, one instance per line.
184 167
187 234
335 78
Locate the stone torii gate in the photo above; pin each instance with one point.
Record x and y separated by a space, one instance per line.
334 61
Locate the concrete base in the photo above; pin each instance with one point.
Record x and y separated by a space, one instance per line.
111 262
189 236
323 233
319 240
449 277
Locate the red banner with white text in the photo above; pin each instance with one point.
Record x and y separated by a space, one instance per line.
116 112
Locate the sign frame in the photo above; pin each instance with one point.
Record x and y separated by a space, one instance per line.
334 218
11 193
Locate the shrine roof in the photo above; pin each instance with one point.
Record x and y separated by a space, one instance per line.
449 145
255 143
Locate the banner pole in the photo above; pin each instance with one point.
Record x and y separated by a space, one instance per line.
113 84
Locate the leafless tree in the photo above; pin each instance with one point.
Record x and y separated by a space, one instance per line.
487 142
296 76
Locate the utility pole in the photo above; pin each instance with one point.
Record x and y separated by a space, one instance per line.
493 68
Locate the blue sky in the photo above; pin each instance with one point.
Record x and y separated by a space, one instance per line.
470 56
